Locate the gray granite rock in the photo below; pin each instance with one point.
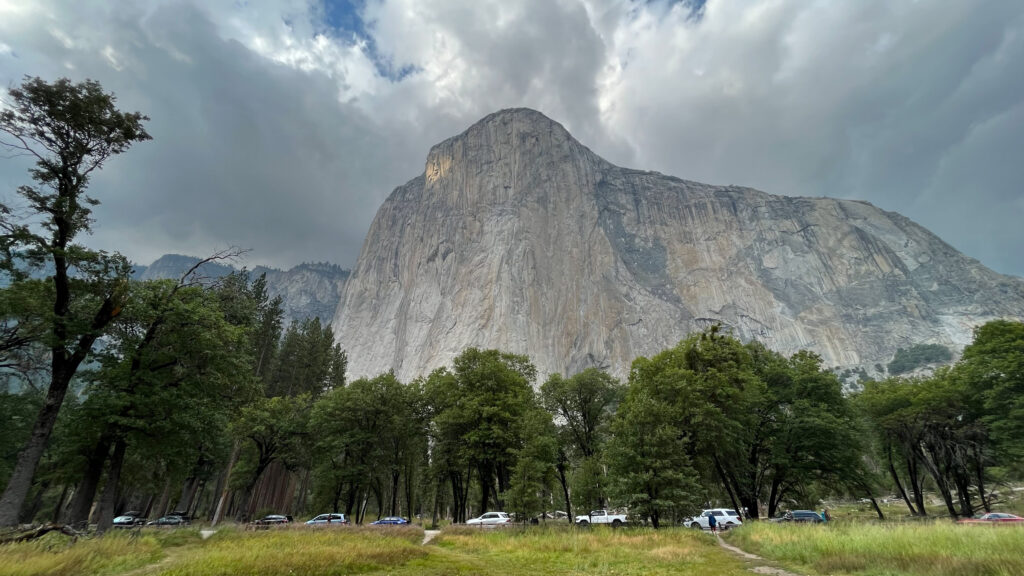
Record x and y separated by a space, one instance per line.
518 237
308 290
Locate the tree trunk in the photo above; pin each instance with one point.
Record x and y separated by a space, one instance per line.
899 485
914 475
29 513
57 509
940 482
197 499
350 500
24 472
980 475
726 482
81 502
394 493
188 492
877 509
565 490
165 499
773 498
300 504
108 500
485 491
219 512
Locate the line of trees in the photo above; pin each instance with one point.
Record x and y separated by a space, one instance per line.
190 395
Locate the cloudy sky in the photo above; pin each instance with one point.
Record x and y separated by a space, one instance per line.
281 126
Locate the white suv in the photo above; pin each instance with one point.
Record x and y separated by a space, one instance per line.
725 518
491 518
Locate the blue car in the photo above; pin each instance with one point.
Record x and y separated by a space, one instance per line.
391 520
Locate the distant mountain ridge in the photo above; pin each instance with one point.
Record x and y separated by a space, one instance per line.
309 290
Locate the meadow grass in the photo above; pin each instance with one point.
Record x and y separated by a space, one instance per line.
906 549
536 551
298 550
539 551
54 555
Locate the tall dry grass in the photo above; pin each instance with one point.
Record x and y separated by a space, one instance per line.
539 551
910 549
54 555
300 550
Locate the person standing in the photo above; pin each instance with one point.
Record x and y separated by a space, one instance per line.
713 523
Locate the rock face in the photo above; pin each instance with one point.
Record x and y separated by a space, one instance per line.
307 291
173 266
520 238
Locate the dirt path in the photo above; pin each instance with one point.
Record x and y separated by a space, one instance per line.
428 535
758 568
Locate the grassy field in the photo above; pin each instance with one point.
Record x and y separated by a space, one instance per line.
536 551
907 549
840 549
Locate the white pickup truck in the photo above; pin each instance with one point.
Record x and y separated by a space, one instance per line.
601 517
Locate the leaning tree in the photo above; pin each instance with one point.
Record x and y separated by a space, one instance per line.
69 130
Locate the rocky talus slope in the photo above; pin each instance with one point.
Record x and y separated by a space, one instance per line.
518 237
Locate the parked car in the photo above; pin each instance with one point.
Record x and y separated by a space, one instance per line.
992 518
490 518
804 516
394 520
725 518
326 519
129 520
271 519
169 520
601 517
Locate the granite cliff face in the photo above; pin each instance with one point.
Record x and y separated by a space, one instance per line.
518 237
310 290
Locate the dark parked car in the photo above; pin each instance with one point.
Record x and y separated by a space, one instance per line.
171 520
391 520
271 519
804 516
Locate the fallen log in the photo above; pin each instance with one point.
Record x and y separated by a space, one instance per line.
38 532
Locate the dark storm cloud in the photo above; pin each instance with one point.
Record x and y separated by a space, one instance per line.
281 126
245 151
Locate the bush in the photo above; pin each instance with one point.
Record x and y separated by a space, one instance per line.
918 356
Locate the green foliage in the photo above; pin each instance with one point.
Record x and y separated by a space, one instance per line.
534 471
276 427
957 423
917 356
17 412
478 414
584 403
992 370
589 484
648 456
367 433
583 406
70 130
308 361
